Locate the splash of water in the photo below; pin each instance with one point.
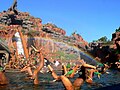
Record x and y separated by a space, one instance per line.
83 55
86 56
19 44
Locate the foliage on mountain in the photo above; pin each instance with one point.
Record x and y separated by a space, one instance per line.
117 30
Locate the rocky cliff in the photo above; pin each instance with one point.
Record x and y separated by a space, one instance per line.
32 27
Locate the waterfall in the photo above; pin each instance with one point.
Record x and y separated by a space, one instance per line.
19 44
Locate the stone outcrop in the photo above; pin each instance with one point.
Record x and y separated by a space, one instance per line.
33 29
115 36
33 26
51 28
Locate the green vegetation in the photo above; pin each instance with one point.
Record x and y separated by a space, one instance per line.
117 30
65 56
32 33
104 40
23 31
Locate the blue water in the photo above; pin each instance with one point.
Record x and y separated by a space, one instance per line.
19 81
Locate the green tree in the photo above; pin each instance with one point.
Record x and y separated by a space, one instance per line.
94 41
117 30
103 39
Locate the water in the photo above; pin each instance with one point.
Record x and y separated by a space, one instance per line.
19 44
112 78
88 59
19 81
105 80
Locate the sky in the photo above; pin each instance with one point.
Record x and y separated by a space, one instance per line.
92 19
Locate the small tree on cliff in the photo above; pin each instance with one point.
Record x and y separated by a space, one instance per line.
118 30
103 39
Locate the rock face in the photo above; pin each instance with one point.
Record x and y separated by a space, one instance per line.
49 36
34 27
26 21
115 36
51 28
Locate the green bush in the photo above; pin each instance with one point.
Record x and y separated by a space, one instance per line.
65 56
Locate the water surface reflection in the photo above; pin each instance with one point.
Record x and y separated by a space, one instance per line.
19 81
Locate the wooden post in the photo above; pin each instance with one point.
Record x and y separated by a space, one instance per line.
24 44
